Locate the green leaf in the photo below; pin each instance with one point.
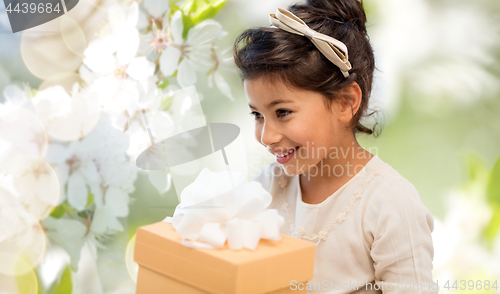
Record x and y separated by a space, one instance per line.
188 6
90 200
208 10
83 213
166 103
173 7
493 190
68 207
370 8
493 198
58 212
27 282
493 227
163 84
196 11
478 169
63 284
33 92
65 207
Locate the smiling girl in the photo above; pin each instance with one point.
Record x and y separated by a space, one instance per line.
308 80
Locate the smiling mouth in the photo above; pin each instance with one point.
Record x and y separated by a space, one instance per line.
288 152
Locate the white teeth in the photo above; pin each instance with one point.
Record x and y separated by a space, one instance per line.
286 153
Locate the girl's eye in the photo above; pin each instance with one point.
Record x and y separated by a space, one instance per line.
282 112
256 115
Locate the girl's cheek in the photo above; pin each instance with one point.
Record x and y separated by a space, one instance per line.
300 133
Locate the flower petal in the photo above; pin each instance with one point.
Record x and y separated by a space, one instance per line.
210 81
99 55
142 21
169 60
77 191
97 191
140 68
186 76
56 153
176 27
15 95
117 201
89 171
131 15
201 60
103 221
69 234
223 85
221 34
156 7
204 32
115 95
128 43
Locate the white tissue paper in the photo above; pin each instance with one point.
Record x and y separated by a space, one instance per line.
224 206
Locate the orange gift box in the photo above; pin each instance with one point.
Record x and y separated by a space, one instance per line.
167 266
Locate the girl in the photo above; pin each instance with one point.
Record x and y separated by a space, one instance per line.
308 80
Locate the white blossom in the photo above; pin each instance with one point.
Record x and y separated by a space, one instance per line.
66 117
190 55
77 149
225 62
23 142
459 252
95 164
70 234
113 58
155 10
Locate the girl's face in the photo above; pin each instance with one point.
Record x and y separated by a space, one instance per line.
294 124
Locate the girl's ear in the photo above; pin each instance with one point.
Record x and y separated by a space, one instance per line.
348 105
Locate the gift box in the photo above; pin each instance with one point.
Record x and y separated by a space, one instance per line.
167 266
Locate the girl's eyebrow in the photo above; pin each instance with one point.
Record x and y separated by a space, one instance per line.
273 103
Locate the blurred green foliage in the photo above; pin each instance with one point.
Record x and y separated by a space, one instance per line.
63 284
493 197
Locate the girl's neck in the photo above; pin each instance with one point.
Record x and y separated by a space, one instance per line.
333 172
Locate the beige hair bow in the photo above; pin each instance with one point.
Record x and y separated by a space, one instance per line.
331 48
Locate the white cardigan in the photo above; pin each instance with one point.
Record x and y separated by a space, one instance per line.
373 229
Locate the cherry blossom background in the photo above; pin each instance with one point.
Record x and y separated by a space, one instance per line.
111 73
76 92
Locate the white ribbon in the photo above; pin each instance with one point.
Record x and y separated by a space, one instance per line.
331 48
223 206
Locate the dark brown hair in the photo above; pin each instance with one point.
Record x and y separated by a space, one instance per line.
293 59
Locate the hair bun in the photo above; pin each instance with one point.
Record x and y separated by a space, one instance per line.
346 11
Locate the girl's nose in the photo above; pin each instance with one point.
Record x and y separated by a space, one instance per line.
269 134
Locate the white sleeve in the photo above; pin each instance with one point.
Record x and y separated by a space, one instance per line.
402 249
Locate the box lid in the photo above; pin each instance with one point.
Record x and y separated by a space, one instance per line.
271 266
